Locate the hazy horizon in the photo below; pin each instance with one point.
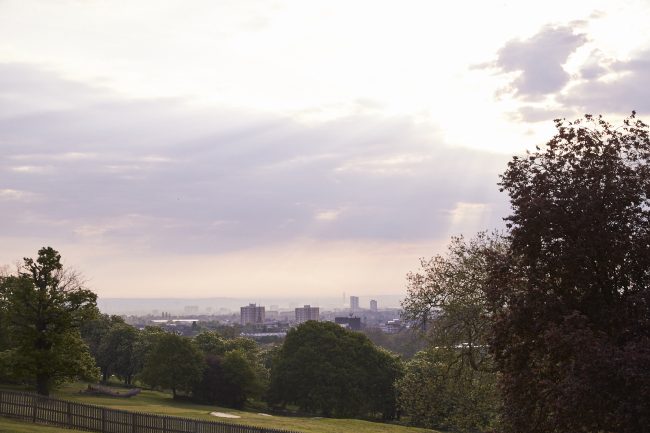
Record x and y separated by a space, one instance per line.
144 306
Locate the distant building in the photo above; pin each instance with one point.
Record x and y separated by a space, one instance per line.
392 326
373 305
353 323
306 313
354 303
252 314
272 315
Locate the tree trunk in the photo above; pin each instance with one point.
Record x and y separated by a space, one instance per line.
43 384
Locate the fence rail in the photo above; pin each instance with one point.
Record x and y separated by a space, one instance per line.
80 416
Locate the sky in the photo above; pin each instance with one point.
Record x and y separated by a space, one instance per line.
242 148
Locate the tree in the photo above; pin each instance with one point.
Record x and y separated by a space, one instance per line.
452 384
405 343
234 371
117 352
173 363
438 392
572 329
45 305
326 369
147 339
93 333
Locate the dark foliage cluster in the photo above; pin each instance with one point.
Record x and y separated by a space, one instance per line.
326 369
571 331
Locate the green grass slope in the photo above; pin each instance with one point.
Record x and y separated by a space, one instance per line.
162 403
13 426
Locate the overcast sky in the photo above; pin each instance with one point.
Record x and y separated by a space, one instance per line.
258 148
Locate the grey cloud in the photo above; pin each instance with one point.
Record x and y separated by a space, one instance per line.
160 174
539 60
629 91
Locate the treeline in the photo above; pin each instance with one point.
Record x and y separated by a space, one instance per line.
52 332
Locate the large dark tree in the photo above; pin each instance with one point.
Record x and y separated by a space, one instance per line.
44 305
94 332
174 363
234 371
117 352
572 338
329 370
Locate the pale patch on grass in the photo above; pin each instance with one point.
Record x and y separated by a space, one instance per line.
224 415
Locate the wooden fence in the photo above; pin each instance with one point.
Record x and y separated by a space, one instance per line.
79 416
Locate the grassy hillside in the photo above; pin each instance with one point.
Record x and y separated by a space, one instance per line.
161 403
12 426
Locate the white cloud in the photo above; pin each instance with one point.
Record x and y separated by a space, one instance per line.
13 194
328 215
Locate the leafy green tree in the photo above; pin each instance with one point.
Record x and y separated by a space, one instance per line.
438 392
572 296
93 332
326 369
405 343
45 306
173 363
234 371
447 301
210 343
117 352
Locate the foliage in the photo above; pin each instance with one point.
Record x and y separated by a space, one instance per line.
405 343
234 371
572 332
326 369
94 333
173 363
452 384
45 305
94 330
438 392
117 352
142 347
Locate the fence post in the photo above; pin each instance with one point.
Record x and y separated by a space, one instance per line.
68 413
164 425
34 404
103 420
1 395
133 422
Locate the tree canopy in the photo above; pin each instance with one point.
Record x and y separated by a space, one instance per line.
234 371
572 330
44 305
452 384
173 362
326 369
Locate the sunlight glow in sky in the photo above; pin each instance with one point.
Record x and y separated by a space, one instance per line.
240 148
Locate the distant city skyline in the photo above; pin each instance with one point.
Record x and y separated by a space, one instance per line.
286 148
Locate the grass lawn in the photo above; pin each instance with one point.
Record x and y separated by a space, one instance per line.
162 403
12 426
